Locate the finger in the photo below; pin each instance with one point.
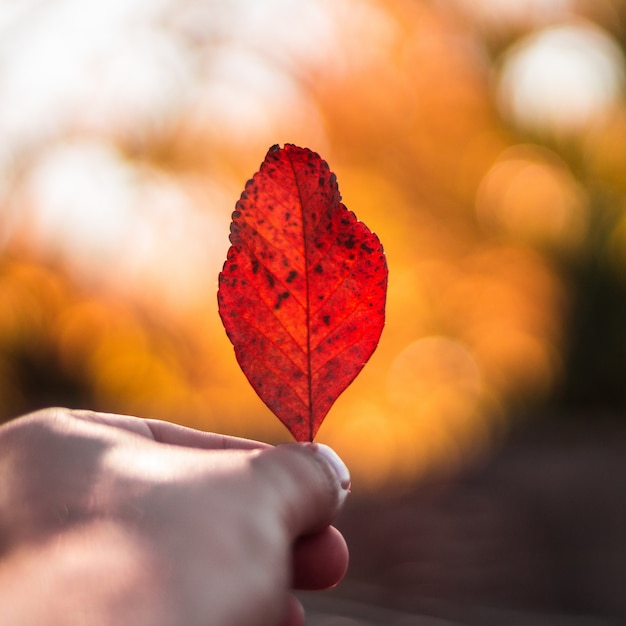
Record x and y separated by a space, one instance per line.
169 433
294 612
320 561
174 434
306 485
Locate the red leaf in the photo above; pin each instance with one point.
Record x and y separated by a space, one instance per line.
302 292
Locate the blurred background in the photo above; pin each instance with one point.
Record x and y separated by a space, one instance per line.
482 140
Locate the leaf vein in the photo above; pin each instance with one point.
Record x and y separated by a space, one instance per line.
344 347
251 253
277 372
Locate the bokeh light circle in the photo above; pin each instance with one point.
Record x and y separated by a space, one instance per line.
561 79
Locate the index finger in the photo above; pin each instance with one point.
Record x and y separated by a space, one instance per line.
169 433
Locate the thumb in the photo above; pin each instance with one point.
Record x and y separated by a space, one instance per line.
308 482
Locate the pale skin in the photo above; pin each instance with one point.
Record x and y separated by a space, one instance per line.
109 519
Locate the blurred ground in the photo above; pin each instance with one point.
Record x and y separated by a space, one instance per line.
534 535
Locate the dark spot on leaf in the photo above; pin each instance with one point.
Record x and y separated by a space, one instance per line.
287 216
292 276
366 248
350 243
236 214
255 266
270 279
234 267
319 269
326 319
281 296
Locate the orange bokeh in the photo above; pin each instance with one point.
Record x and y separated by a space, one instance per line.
114 230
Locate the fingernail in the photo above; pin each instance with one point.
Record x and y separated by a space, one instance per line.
334 461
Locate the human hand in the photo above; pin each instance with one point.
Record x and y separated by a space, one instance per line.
109 519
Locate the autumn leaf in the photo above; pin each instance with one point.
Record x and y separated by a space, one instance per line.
302 292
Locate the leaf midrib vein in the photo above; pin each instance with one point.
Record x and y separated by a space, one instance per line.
308 301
